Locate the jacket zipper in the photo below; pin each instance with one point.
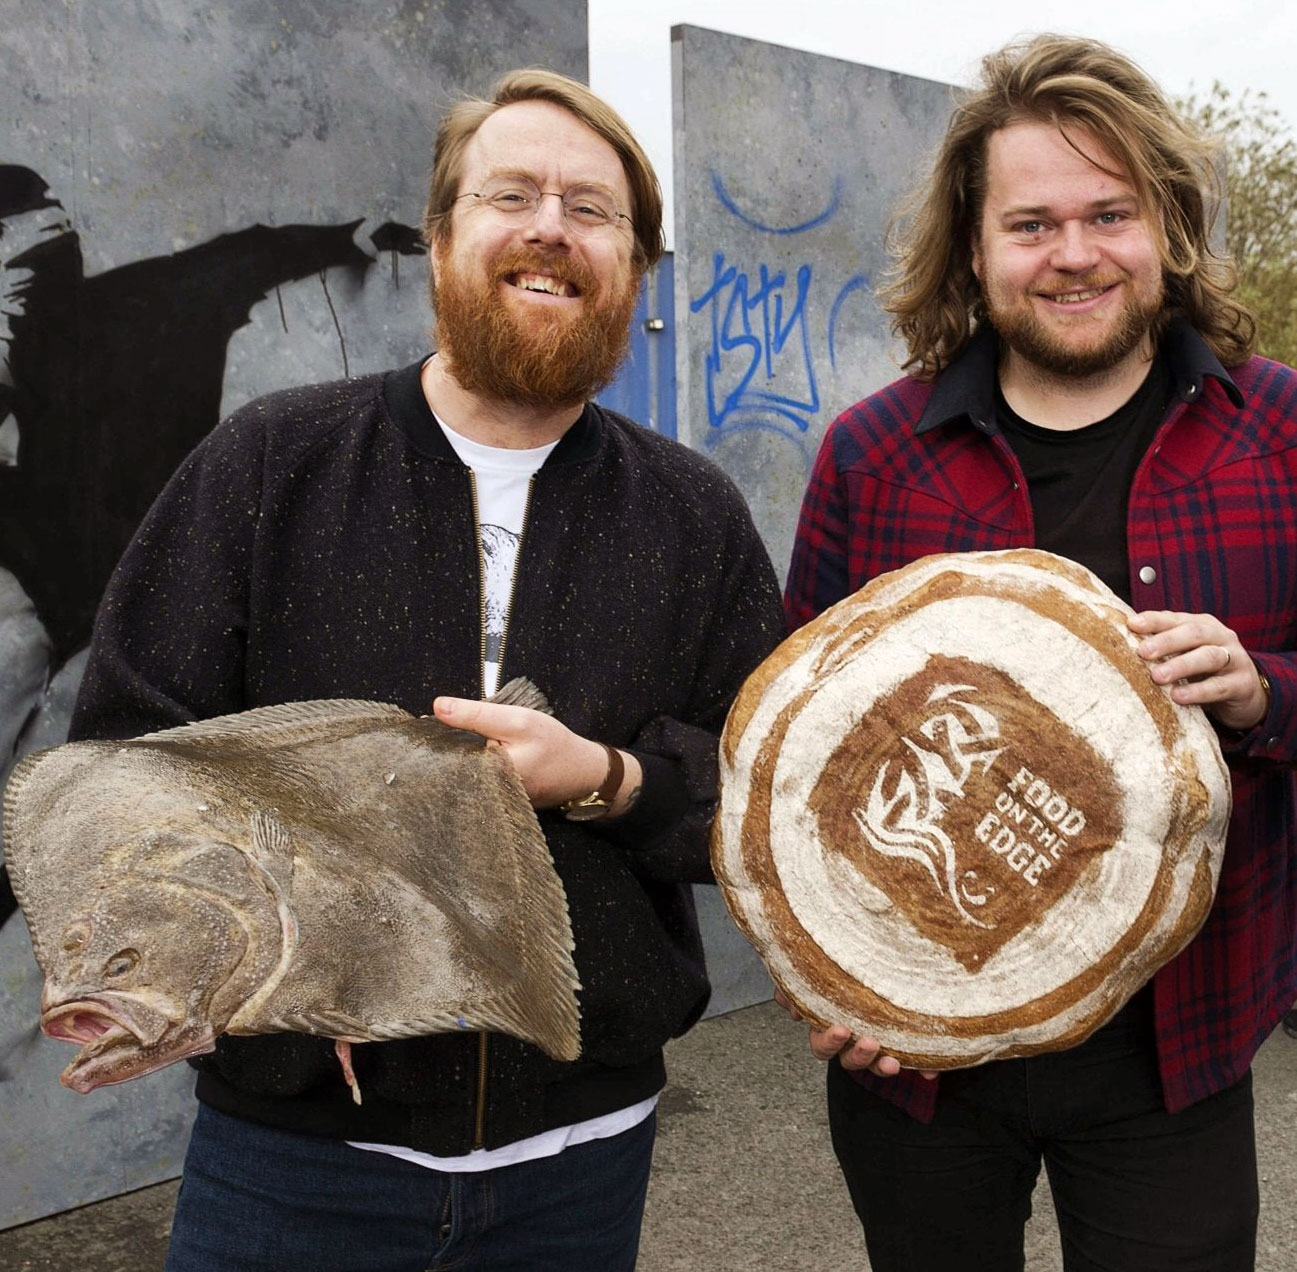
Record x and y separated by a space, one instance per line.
481 585
513 581
479 1117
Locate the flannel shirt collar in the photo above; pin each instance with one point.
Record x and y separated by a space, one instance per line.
966 388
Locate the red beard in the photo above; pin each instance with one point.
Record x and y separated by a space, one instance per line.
548 359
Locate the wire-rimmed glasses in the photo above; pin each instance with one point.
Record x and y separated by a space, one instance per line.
587 209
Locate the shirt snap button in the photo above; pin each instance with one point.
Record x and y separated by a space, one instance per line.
1147 574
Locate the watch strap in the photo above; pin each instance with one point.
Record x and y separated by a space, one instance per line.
599 801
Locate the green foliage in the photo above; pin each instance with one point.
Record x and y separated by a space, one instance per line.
1261 223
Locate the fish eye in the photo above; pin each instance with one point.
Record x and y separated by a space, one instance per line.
122 962
75 937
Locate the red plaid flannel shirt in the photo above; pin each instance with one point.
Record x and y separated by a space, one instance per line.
921 468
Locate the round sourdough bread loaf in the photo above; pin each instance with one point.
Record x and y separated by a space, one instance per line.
957 815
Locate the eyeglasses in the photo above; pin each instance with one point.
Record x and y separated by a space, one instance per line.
586 209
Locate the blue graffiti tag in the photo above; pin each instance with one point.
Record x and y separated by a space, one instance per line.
727 202
753 324
760 364
858 283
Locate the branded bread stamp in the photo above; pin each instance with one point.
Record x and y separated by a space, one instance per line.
957 814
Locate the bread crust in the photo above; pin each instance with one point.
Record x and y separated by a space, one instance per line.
958 815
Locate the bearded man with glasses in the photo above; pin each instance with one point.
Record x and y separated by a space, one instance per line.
422 537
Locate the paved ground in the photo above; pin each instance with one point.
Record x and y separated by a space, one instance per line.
743 1179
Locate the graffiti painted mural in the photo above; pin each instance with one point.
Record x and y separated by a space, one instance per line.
761 363
788 167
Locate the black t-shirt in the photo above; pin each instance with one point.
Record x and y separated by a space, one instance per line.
1079 479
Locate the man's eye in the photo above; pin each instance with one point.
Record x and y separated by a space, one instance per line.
508 200
585 211
1111 218
1030 227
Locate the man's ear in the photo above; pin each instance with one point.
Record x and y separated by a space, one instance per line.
437 249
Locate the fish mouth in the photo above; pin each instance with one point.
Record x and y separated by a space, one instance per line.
115 1046
80 1023
90 1017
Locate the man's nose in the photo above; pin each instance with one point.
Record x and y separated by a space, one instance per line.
1074 249
549 220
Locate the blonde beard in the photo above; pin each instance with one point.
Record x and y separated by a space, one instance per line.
1024 333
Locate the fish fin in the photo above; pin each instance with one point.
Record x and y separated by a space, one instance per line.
283 714
343 1051
522 692
340 1025
323 1022
22 772
17 780
20 839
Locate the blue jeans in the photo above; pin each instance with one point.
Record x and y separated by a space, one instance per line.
257 1198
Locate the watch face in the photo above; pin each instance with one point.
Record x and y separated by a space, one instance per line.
586 810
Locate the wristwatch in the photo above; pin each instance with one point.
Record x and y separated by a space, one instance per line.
597 803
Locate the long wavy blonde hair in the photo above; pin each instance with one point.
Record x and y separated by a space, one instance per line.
1076 85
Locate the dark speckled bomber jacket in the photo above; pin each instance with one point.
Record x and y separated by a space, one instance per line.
321 543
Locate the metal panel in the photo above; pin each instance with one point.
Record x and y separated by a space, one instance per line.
645 387
788 166
224 200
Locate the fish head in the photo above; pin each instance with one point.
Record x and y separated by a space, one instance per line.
150 972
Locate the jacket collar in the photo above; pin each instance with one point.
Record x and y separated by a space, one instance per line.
409 410
966 388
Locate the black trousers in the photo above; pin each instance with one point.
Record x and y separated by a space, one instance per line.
1136 1189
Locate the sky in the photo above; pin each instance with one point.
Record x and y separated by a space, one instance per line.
1247 46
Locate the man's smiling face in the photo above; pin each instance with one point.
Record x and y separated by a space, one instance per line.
1067 259
529 310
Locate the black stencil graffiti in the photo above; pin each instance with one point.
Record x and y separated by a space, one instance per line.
106 383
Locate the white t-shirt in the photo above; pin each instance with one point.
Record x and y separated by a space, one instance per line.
502 479
546 1144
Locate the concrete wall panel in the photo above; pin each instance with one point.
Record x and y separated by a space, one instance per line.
788 166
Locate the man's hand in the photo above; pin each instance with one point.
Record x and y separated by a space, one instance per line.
1204 665
854 1053
554 763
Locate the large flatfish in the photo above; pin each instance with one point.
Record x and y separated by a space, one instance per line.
339 868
